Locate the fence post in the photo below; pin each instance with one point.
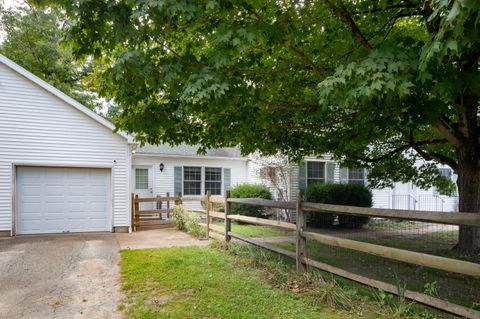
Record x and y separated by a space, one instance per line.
159 206
168 205
228 226
301 242
132 221
180 201
207 200
137 215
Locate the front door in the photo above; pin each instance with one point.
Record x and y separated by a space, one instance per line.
143 185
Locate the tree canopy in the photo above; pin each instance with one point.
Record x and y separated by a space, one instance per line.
33 40
376 83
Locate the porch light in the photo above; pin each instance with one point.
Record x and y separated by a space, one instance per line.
161 167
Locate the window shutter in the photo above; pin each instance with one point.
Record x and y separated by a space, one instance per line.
330 177
343 175
365 177
178 172
302 176
227 179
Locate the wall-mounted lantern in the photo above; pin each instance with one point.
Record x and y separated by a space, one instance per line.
161 167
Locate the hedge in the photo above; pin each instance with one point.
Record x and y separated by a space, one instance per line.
249 191
339 194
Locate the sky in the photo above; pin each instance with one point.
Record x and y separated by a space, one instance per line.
9 4
14 3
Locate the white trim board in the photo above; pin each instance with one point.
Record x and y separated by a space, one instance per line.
243 159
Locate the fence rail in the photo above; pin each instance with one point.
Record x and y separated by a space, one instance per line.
302 235
407 256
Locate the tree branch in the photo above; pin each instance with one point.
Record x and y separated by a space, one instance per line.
434 156
448 131
341 12
308 61
407 4
286 105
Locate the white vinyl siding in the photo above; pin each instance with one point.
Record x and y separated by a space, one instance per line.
164 181
39 129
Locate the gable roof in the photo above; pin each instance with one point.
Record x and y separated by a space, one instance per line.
185 150
59 94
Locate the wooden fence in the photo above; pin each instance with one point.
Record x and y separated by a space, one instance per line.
302 235
147 218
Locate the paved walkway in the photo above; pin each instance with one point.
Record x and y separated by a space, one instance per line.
59 276
156 238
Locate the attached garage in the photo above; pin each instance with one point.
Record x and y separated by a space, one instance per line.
62 200
62 168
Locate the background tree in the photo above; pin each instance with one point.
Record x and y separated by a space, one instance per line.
32 39
275 173
376 83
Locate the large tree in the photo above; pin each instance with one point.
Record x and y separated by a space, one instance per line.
376 83
32 38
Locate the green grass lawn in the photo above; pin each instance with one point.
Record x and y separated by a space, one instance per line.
256 231
461 289
203 282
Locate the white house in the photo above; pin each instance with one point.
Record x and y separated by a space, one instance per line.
62 169
158 170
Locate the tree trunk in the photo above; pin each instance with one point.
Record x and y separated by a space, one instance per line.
469 202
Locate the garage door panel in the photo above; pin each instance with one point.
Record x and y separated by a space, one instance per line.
54 189
55 200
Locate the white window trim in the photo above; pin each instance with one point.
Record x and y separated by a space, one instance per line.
148 177
202 179
324 179
356 180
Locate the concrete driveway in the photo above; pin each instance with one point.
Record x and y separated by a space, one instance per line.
59 276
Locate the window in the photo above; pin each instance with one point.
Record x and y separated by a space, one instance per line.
192 180
213 180
446 172
315 172
141 178
356 176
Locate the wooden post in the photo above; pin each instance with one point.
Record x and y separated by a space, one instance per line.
208 198
132 221
180 201
159 206
137 215
168 205
228 226
301 242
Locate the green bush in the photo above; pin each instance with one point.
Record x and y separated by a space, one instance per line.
249 191
218 207
184 221
339 194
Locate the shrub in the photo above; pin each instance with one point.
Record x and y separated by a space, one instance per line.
339 194
249 191
184 221
218 207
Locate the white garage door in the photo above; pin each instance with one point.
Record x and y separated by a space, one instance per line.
61 200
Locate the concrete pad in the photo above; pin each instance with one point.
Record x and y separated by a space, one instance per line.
60 276
156 238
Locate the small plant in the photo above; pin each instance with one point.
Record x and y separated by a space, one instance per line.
184 221
249 191
335 296
430 288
